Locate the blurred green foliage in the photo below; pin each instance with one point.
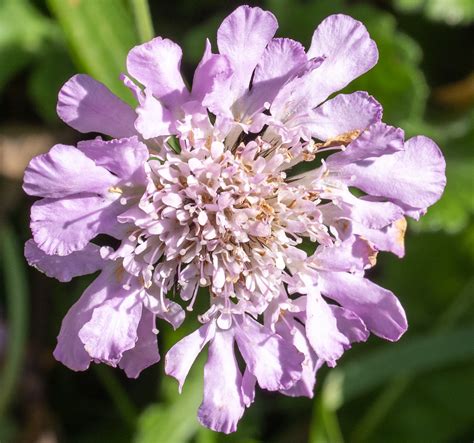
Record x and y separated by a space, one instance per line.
33 42
452 12
98 45
418 390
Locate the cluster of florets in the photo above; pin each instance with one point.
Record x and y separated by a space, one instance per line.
201 188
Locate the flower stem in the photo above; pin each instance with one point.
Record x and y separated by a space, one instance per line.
16 292
143 22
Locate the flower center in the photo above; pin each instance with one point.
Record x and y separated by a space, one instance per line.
216 210
224 219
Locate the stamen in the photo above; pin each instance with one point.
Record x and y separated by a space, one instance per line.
193 299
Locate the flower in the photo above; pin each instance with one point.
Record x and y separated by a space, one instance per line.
204 188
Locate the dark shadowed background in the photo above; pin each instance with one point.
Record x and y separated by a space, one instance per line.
418 390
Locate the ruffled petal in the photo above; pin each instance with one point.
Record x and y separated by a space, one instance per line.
83 262
88 106
174 314
153 119
373 214
378 140
112 328
248 387
390 238
168 310
123 157
212 73
242 37
378 308
223 405
133 87
341 50
156 65
352 254
293 105
70 350
145 352
305 386
64 171
281 59
348 50
181 356
321 329
414 176
350 324
67 225
343 114
368 211
274 362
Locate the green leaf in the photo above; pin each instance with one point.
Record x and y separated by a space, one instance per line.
410 357
175 420
452 12
100 33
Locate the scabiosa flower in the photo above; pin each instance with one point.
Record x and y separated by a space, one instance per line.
202 188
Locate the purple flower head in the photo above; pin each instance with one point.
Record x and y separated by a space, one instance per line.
201 189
